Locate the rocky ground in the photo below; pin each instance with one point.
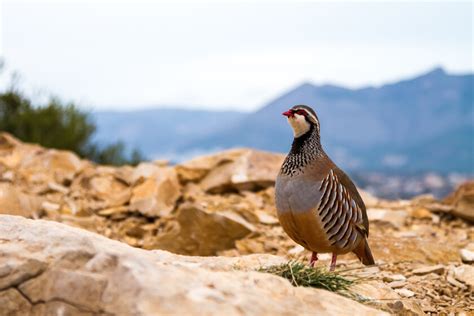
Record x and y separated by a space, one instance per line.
220 205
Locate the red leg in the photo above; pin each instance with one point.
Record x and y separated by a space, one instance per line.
314 258
333 262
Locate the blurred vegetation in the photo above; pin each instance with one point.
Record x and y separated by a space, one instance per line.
58 125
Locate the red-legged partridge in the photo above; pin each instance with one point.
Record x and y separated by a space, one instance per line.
317 204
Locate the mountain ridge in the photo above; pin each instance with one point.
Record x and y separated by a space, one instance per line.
359 126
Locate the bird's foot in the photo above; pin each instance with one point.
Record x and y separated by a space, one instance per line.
333 262
314 258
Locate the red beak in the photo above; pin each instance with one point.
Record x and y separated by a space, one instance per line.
288 113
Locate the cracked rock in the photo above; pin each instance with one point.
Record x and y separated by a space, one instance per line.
90 274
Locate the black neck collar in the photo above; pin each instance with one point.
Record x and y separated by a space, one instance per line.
304 150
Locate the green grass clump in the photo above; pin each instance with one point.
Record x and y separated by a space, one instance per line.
300 274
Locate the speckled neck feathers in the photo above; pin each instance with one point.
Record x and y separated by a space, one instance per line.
304 150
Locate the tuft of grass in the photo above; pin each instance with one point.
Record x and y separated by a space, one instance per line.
300 274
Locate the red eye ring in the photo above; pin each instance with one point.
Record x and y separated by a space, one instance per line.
301 112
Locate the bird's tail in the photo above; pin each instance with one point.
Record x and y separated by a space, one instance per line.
364 253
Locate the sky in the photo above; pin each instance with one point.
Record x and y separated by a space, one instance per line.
131 55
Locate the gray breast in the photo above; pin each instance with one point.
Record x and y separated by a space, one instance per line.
296 194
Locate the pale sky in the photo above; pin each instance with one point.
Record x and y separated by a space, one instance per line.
233 55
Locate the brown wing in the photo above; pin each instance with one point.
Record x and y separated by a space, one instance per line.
340 213
354 194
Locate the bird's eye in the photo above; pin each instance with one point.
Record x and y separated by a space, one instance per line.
301 112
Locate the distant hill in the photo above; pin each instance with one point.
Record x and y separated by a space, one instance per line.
158 133
423 123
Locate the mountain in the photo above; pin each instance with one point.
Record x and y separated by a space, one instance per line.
419 124
159 132
423 123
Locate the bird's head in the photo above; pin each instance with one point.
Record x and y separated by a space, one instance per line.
301 119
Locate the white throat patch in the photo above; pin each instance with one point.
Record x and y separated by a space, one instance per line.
298 124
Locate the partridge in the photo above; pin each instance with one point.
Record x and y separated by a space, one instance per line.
317 204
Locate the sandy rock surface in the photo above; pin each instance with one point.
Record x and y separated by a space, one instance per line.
49 268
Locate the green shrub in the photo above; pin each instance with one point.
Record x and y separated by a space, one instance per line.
58 125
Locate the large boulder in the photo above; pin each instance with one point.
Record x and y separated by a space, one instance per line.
13 151
462 201
196 169
48 268
51 166
98 188
196 231
156 195
249 170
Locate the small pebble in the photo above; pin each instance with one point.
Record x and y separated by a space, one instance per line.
467 256
394 277
296 250
454 282
438 269
435 219
397 284
405 292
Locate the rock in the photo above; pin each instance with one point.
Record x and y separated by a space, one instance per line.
382 296
113 210
374 290
198 232
50 166
89 273
81 287
144 171
397 284
437 269
250 170
435 219
242 263
98 188
395 218
156 196
467 253
405 292
427 307
13 151
50 207
53 186
196 169
296 250
423 199
266 218
394 277
405 307
465 274
7 176
394 248
58 308
15 202
8 142
451 280
15 271
421 213
13 303
462 201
